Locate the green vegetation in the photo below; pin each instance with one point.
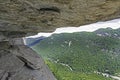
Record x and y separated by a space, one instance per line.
63 73
83 52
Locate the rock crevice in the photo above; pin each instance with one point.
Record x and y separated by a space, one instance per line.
19 62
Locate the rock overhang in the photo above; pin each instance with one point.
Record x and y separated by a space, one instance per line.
32 16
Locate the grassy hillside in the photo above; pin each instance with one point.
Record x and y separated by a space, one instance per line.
63 73
79 55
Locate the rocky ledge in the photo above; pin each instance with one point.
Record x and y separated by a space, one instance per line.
46 15
18 62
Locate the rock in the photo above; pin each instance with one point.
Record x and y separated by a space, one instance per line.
28 74
31 16
4 45
28 56
5 76
16 41
1 74
19 62
10 63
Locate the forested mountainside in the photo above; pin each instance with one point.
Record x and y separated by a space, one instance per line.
80 55
109 32
33 41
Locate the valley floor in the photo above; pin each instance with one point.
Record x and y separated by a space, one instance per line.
63 72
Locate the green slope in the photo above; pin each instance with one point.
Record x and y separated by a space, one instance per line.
83 52
63 73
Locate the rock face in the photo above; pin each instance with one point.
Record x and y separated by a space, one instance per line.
18 62
19 18
45 15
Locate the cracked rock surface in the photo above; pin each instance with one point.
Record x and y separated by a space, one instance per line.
23 16
19 62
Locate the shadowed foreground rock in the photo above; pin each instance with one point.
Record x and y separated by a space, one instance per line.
18 62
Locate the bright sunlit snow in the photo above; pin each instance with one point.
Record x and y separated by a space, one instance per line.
89 28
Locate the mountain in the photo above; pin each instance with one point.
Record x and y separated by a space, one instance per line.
82 53
33 41
108 32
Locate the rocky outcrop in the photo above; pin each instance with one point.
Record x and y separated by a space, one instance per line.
19 18
45 15
18 62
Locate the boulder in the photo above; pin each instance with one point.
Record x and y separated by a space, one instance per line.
19 62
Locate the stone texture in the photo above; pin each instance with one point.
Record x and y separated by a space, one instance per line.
5 76
1 74
23 16
19 62
10 63
28 56
28 74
